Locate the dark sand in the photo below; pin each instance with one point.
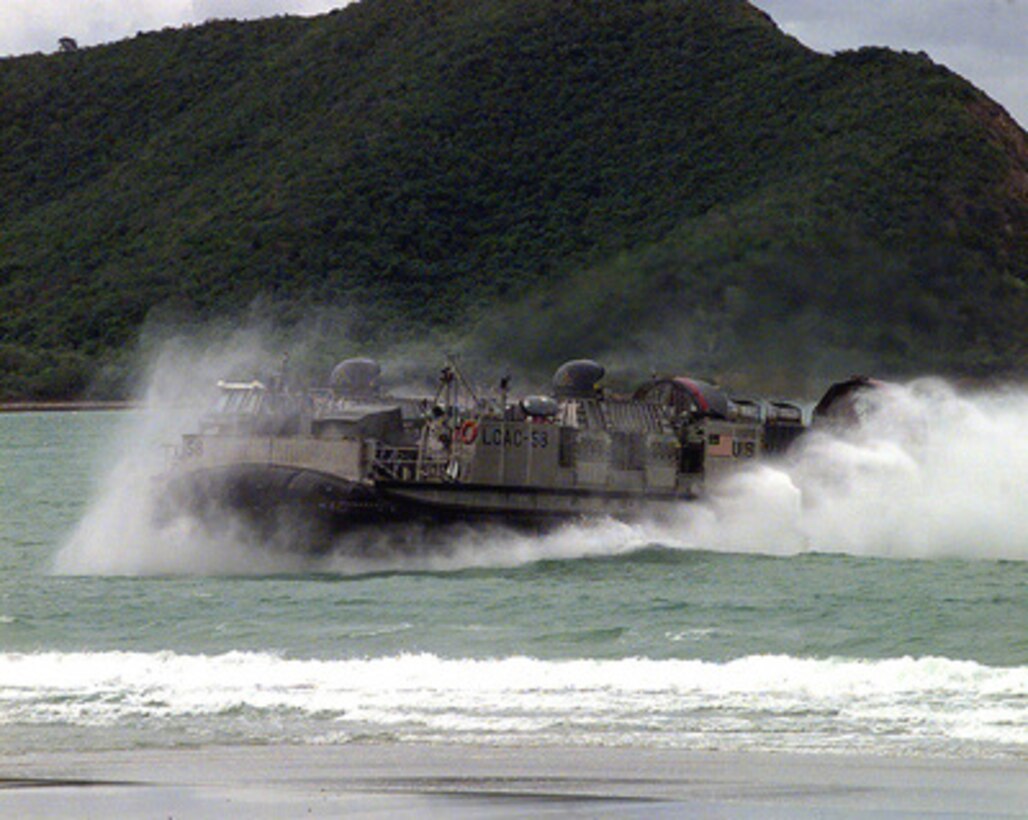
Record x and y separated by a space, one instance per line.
475 781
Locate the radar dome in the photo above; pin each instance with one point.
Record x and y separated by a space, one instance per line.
356 378
540 406
577 379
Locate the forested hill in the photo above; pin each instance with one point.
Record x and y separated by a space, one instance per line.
671 180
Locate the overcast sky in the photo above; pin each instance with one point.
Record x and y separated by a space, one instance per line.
986 41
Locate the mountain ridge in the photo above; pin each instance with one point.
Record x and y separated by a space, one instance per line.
511 172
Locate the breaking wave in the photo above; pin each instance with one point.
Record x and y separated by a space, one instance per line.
904 705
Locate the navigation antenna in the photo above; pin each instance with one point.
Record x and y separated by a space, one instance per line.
447 397
460 376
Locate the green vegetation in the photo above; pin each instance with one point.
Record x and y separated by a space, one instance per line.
669 182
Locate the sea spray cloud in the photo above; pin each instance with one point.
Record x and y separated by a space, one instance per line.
932 474
120 533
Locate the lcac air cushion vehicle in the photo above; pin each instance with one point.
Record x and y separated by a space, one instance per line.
351 455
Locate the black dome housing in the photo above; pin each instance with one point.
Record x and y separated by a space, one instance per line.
578 379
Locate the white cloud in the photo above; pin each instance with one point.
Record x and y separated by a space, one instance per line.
985 41
36 25
250 9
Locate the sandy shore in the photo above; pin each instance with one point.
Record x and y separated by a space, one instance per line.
474 781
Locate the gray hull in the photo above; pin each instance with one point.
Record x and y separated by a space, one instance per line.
315 508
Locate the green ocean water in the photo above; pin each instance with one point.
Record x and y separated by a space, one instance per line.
115 636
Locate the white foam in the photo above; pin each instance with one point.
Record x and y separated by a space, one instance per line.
932 705
930 474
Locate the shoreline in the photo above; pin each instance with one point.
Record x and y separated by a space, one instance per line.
65 406
446 780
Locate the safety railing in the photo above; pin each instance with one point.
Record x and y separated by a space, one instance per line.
407 464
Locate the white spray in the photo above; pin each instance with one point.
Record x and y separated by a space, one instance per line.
119 534
930 473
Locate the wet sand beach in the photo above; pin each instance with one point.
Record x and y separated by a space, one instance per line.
474 781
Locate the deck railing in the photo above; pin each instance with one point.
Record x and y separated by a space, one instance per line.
408 464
